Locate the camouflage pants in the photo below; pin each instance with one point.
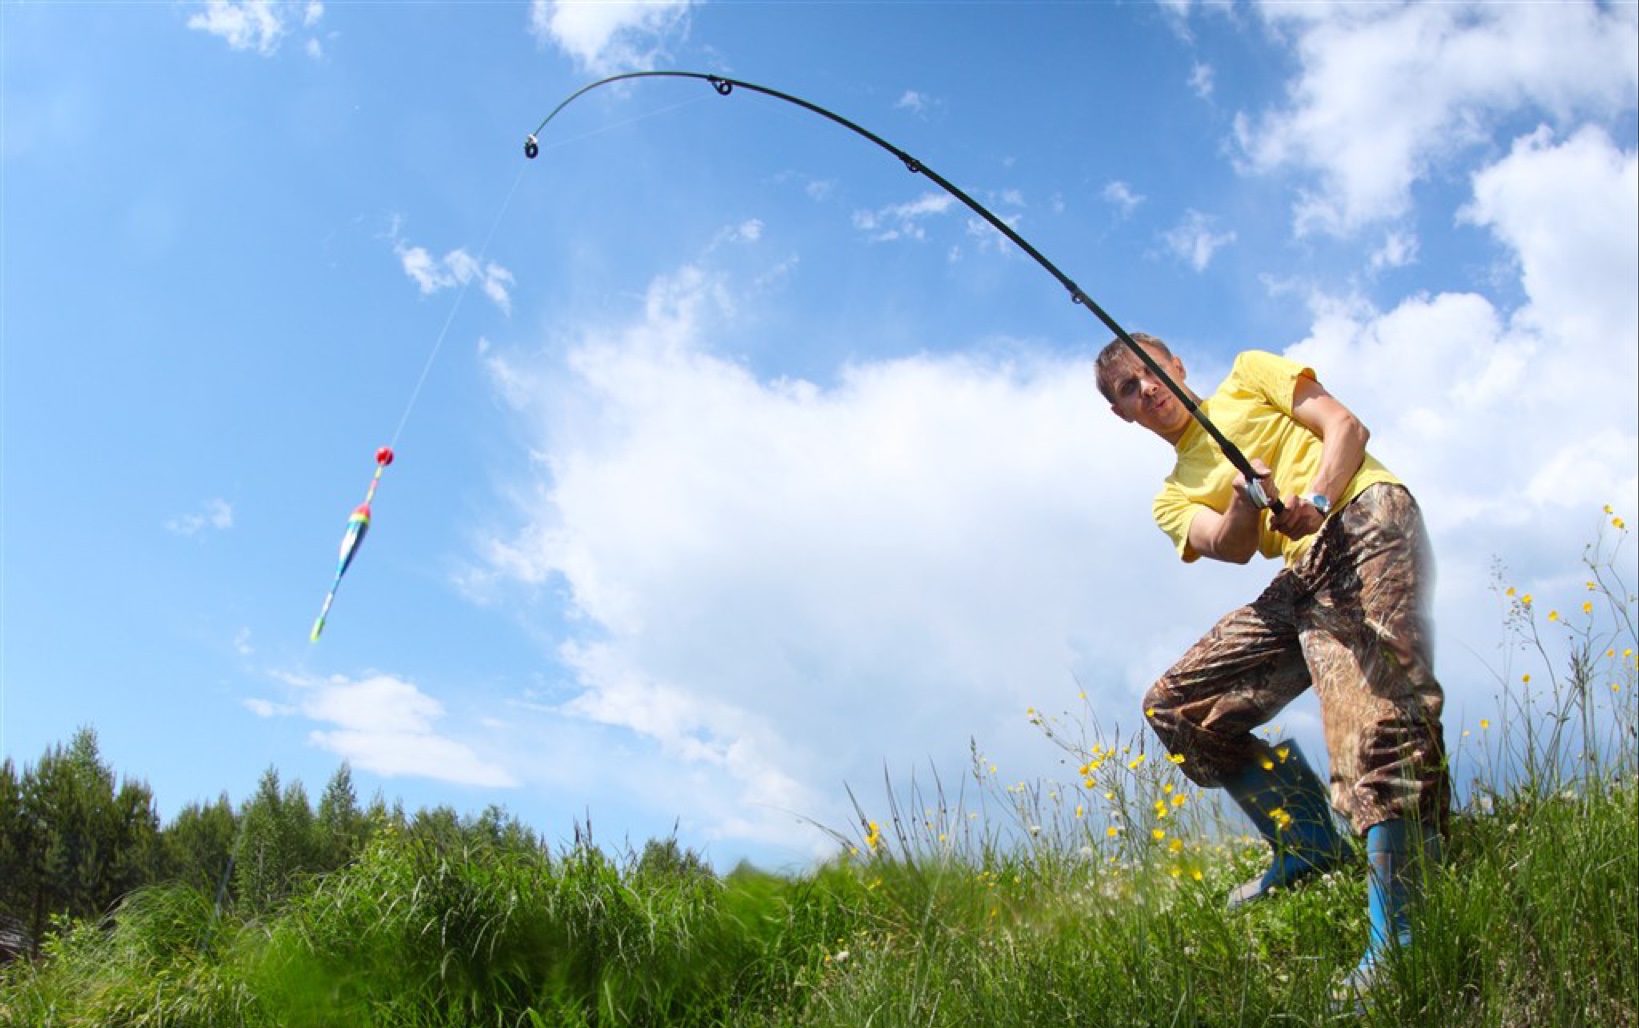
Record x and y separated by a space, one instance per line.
1348 618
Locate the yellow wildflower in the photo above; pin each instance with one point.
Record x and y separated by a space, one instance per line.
1136 761
1283 752
1175 845
1587 608
1112 831
1179 800
1176 758
1158 834
1553 615
1281 818
1526 599
1484 723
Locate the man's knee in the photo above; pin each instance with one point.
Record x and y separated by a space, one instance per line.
1161 711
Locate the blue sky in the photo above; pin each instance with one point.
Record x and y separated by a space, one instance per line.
735 463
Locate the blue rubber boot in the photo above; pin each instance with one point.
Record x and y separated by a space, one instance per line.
1395 857
1290 808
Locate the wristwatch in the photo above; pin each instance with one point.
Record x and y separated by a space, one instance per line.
1319 502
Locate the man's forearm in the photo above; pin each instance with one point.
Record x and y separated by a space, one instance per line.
1342 451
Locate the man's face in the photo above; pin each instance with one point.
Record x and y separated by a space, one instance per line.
1143 399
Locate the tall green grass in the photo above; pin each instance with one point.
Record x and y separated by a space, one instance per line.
1095 901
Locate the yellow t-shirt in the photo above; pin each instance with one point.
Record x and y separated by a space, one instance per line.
1253 409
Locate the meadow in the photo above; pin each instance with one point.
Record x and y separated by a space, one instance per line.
1096 901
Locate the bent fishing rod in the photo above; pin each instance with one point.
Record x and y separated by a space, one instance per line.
725 86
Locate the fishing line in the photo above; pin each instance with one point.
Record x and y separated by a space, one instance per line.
725 86
449 319
483 252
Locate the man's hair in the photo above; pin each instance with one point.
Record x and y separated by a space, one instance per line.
1115 353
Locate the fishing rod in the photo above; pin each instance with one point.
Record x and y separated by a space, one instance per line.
725 86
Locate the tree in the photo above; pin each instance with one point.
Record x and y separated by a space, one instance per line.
87 844
341 829
16 846
199 843
275 844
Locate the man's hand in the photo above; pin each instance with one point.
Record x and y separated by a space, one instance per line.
1257 492
1300 518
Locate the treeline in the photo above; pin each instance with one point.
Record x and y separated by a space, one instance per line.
73 843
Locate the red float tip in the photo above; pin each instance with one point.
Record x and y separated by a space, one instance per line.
384 456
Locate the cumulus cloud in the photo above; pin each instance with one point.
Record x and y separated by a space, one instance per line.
1388 92
1195 239
905 220
1397 250
258 25
386 725
609 36
456 268
216 514
1515 423
1201 80
1120 195
911 100
782 586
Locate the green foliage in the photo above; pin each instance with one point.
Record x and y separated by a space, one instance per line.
1093 902
74 843
198 844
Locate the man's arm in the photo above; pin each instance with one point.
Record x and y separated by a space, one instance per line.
1233 535
1342 449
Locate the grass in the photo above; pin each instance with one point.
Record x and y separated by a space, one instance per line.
1093 902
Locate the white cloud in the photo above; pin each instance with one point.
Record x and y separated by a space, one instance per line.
1194 239
781 586
216 514
1389 91
257 25
456 268
1513 423
1398 249
1201 80
609 36
1120 195
905 220
1575 257
386 725
911 101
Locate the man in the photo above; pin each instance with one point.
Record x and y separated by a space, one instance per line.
1346 614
